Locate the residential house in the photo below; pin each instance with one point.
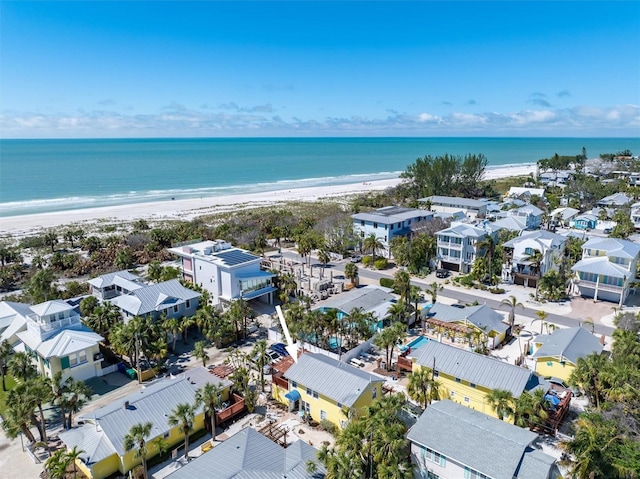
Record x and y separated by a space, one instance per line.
227 273
9 311
326 389
585 221
168 298
450 441
369 299
511 223
478 320
452 204
615 200
110 285
524 192
250 454
55 338
634 179
388 223
635 215
102 432
563 216
518 251
607 267
457 246
557 354
467 377
555 178
530 214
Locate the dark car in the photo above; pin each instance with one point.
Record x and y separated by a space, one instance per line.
607 231
441 273
279 348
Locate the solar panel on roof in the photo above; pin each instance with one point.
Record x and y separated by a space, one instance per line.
234 257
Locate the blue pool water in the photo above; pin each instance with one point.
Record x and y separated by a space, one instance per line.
415 344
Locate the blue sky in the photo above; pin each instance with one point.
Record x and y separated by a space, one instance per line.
164 69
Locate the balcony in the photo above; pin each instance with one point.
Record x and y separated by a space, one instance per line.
601 286
450 259
449 244
45 329
236 407
280 381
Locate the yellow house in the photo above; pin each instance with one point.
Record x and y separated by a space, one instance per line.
480 319
556 354
326 389
466 377
101 437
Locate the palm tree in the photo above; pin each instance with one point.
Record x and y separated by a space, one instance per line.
587 376
324 257
397 312
419 386
512 303
542 315
372 243
535 259
78 393
432 290
200 352
488 247
402 285
388 338
260 358
72 455
172 325
5 353
137 437
210 397
56 466
183 416
351 272
21 367
501 401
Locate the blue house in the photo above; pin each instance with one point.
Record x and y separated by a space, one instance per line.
585 222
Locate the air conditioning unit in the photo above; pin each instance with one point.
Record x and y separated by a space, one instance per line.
98 356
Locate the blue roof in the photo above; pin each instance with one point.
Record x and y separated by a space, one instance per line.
293 395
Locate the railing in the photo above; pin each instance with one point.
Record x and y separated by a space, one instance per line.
55 325
405 364
601 286
233 410
451 259
280 381
449 244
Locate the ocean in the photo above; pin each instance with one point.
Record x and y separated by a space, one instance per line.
39 176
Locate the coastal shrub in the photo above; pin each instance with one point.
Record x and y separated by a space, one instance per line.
466 280
496 290
328 426
381 263
386 282
366 261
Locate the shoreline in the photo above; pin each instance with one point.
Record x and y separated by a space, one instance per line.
188 209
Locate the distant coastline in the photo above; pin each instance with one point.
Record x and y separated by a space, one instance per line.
46 176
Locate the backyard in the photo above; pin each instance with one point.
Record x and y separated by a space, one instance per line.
10 383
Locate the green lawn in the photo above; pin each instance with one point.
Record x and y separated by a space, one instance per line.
10 383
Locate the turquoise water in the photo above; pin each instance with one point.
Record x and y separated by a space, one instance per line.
415 344
55 175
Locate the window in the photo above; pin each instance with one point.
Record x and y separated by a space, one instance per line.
82 357
361 222
175 308
466 399
375 225
312 393
528 251
188 303
343 423
323 415
73 360
362 234
339 405
294 384
436 374
305 406
457 380
374 392
165 435
452 393
472 385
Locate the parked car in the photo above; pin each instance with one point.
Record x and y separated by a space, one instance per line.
279 348
442 273
607 231
575 391
355 259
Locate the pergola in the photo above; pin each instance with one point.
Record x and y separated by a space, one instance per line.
458 328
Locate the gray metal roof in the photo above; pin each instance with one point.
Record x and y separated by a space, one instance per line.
544 238
109 279
530 209
481 316
51 307
392 214
511 223
536 465
93 443
483 443
613 246
601 265
570 343
369 298
565 213
154 403
616 199
154 297
334 379
250 455
9 310
454 201
463 231
478 369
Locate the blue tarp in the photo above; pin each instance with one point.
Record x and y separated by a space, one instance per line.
552 399
293 395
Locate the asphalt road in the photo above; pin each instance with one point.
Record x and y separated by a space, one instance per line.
452 293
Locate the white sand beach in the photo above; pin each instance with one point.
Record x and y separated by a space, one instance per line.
189 209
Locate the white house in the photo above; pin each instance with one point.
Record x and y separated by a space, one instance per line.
607 267
518 267
114 284
635 215
452 204
531 215
226 272
451 441
457 246
55 338
387 223
524 192
563 216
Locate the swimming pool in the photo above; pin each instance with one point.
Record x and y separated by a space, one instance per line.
415 344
